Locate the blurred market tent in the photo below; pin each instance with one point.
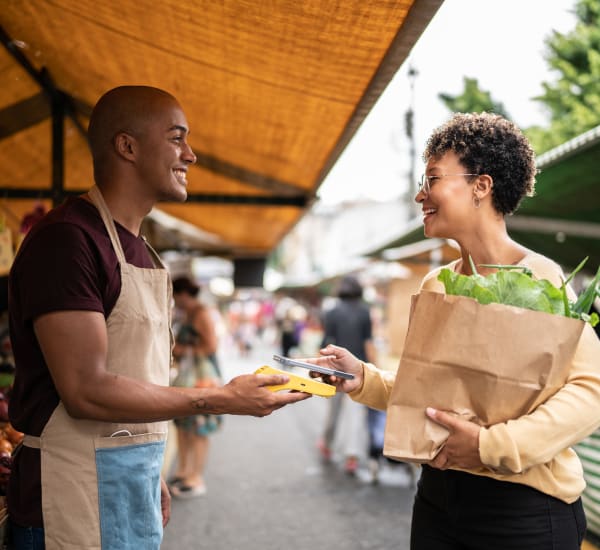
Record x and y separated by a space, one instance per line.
273 93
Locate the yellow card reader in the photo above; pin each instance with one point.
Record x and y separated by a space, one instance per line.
299 383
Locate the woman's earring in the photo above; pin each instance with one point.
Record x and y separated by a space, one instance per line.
476 201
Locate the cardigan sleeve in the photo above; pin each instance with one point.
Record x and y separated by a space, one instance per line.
567 417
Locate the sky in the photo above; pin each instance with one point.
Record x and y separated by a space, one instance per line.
498 42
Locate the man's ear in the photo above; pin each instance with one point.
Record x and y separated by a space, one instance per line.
125 145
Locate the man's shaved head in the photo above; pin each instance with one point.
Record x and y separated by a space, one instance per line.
122 109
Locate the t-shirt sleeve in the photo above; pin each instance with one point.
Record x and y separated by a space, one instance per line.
61 272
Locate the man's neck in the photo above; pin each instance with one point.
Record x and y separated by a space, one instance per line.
125 208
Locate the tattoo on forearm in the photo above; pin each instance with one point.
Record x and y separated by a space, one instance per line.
200 404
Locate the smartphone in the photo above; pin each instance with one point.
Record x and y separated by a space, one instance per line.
316 368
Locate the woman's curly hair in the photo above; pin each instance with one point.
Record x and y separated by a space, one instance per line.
489 144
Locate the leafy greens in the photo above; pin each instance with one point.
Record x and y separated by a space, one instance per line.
515 286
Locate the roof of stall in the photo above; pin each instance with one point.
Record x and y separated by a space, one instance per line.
273 92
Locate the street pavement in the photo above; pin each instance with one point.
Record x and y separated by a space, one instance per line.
269 490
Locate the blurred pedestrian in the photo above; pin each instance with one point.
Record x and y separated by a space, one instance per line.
195 352
347 324
288 332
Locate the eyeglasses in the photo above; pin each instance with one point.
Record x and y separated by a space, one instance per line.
426 182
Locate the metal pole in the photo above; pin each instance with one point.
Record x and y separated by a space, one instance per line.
58 147
410 134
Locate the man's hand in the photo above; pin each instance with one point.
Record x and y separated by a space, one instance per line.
461 449
248 395
338 358
165 502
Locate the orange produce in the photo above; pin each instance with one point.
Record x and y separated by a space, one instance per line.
13 435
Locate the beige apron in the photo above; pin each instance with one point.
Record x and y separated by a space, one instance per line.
101 480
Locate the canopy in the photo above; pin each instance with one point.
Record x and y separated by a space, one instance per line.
562 220
273 92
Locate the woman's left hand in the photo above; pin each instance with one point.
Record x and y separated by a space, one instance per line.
461 449
165 502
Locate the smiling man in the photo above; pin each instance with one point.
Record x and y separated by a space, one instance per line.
89 305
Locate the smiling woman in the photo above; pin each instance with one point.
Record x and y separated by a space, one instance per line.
507 485
494 159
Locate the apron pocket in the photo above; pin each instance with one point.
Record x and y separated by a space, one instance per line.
128 469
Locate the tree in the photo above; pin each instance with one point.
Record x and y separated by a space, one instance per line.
573 101
473 100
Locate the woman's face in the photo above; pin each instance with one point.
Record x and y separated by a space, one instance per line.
448 207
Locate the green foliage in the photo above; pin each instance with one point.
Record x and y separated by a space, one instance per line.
515 286
473 100
573 100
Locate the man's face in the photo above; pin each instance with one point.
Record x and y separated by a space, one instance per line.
164 153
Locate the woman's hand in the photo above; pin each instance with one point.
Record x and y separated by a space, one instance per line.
461 449
338 358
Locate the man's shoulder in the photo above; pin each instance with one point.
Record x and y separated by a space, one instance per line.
68 229
75 216
75 212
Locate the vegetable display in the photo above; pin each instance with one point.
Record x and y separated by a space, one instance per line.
515 286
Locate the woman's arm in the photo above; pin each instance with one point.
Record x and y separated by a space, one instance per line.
370 385
376 387
566 418
563 420
205 327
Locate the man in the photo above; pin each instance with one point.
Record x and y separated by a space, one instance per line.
90 327
348 324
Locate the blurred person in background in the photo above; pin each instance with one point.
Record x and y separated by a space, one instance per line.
196 354
287 327
347 324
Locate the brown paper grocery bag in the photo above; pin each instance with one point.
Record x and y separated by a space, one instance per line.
487 363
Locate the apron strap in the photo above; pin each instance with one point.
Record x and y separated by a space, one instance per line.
98 201
32 441
158 263
156 260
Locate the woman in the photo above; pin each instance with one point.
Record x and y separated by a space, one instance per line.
195 351
510 485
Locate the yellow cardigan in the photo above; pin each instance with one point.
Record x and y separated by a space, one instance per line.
534 449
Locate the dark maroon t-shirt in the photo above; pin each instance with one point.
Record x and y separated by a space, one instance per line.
66 262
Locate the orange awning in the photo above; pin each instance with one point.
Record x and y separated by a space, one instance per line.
273 92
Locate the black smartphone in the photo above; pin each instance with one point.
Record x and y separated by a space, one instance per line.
316 368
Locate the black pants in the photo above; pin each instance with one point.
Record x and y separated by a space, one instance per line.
459 511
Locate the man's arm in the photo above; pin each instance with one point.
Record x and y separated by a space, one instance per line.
75 347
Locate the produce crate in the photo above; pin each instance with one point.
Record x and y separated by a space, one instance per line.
3 523
589 454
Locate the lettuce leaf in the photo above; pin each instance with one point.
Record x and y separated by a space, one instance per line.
515 286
